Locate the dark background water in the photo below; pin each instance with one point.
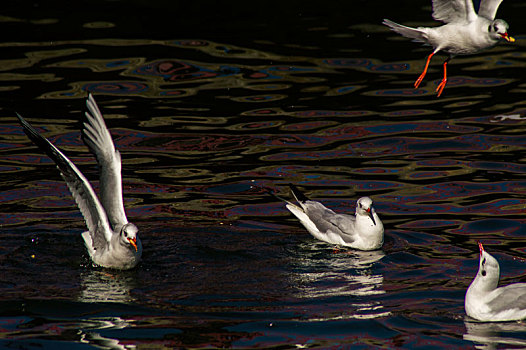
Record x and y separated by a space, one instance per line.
209 102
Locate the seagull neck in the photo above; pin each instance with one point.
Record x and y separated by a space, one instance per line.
485 284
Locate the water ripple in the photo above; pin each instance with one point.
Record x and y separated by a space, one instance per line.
210 122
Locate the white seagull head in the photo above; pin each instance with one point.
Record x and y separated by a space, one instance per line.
489 270
129 235
498 29
364 206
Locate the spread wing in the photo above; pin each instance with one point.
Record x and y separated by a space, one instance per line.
80 188
97 137
449 11
488 8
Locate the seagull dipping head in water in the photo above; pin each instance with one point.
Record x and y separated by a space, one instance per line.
111 240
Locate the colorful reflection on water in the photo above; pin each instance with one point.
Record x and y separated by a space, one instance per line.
208 123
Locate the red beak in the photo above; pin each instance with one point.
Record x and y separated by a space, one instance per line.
481 248
506 37
133 242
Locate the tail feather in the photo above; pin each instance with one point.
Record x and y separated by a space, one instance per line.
416 34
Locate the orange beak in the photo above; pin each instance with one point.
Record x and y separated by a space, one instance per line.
481 248
133 242
506 37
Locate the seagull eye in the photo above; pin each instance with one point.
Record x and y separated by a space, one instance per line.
483 273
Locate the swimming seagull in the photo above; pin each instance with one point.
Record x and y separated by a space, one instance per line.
364 231
111 241
485 302
465 32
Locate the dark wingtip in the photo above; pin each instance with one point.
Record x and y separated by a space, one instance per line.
371 215
273 194
31 131
43 143
268 191
300 197
25 124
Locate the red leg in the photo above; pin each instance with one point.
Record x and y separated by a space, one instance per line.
421 77
442 84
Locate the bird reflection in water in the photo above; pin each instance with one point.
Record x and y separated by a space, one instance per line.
89 332
107 286
322 274
101 286
495 335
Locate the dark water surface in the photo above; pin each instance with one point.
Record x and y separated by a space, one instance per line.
211 102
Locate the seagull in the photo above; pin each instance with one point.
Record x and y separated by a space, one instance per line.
111 240
485 302
464 32
364 231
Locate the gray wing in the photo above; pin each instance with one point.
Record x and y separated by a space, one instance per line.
511 296
488 8
325 219
418 35
98 139
449 11
80 188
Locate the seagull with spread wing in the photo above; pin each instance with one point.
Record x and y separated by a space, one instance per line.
111 240
465 32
